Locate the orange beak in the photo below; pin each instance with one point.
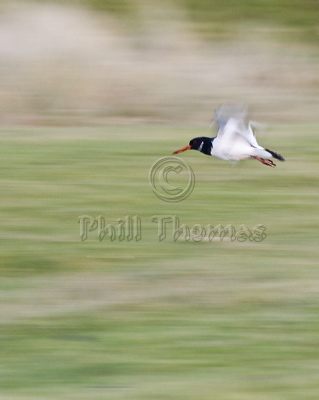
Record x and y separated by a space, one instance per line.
183 149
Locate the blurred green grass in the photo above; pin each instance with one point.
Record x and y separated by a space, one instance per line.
151 319
220 19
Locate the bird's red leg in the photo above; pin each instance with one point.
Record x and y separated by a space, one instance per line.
266 162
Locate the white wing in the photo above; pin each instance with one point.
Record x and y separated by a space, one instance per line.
236 142
226 112
233 137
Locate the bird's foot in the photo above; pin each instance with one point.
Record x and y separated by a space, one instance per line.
263 161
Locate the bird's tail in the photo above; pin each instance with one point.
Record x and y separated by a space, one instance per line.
276 155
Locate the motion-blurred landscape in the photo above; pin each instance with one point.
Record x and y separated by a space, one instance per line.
155 63
92 93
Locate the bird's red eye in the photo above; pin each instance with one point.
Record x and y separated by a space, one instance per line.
194 141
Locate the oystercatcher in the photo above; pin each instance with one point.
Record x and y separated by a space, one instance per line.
234 141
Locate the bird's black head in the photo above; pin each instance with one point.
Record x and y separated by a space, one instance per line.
202 144
197 143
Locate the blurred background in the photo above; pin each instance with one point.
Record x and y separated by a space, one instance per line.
174 60
92 94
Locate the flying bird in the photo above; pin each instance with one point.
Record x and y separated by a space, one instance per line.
234 141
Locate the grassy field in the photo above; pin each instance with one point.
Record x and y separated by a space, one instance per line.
153 319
